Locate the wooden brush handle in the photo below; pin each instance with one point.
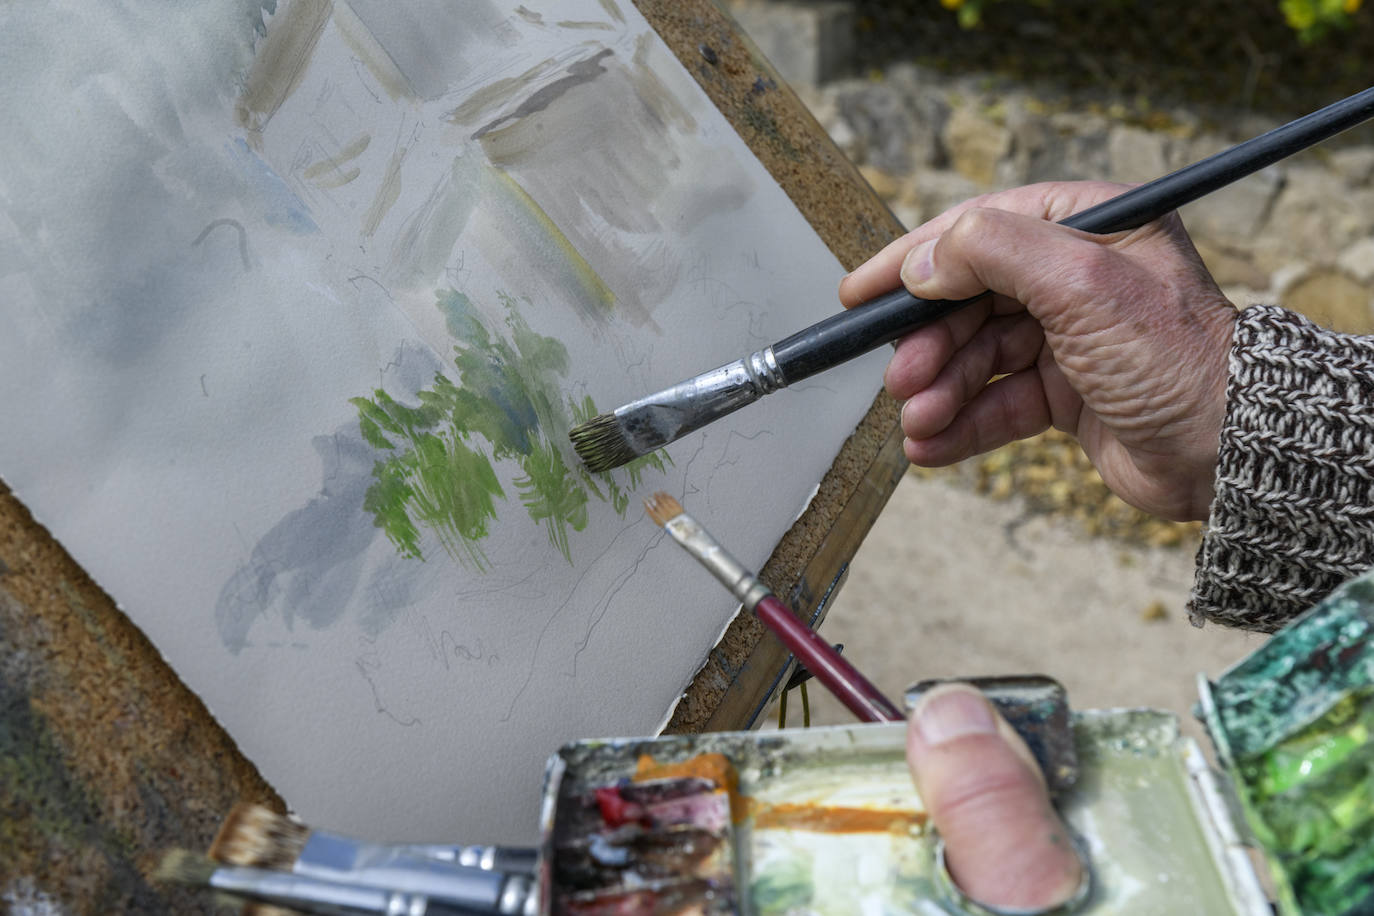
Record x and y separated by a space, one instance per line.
885 318
827 665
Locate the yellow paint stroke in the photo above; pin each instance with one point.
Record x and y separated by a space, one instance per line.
374 57
280 63
575 24
529 15
593 287
319 170
387 192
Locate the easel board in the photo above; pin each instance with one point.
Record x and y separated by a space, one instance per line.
78 645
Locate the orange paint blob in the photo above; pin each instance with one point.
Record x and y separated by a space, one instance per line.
821 819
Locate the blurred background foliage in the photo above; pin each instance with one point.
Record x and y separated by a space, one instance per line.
1275 56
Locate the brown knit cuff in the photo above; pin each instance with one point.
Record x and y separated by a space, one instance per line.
1293 514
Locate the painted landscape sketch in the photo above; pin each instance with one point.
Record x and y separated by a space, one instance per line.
301 301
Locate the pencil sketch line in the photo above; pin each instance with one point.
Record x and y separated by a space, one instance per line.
605 604
243 238
548 623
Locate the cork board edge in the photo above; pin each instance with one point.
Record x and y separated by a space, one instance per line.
743 669
115 760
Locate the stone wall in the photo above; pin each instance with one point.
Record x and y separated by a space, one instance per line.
1300 233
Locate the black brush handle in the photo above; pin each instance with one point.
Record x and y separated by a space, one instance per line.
885 318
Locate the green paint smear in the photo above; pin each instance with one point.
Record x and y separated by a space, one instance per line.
1313 797
438 473
785 888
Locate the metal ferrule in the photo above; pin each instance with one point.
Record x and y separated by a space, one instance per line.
654 421
743 584
344 860
490 858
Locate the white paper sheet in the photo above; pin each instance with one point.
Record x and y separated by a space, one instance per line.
299 302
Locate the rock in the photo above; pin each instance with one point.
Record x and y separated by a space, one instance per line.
1244 296
1237 212
1136 154
883 184
1333 300
1358 260
1229 268
809 43
1037 148
1081 147
976 145
1317 215
1355 165
936 191
910 213
886 129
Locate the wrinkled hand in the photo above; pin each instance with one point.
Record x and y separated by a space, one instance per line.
1004 844
1119 340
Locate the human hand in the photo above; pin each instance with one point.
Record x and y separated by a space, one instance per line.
1119 340
1005 846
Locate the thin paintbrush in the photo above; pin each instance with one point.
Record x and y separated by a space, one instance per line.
308 894
256 837
640 427
841 678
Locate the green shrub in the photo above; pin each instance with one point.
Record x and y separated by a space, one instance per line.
1311 19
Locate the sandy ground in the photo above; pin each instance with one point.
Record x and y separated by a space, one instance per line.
949 583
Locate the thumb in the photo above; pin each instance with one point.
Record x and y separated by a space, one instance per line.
1004 844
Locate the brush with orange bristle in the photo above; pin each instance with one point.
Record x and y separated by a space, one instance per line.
841 678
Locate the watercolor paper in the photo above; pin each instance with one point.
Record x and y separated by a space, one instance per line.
300 302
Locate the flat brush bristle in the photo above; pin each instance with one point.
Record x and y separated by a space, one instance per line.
600 443
662 508
257 836
183 867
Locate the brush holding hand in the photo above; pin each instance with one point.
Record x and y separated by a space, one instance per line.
1259 422
1119 340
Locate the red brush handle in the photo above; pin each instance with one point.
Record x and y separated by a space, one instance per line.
820 658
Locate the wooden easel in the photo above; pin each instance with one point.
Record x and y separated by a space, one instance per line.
111 759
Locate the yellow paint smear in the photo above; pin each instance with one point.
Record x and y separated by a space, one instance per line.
593 287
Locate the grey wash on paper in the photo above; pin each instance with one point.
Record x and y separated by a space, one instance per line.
226 228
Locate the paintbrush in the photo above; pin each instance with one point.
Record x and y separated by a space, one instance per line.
841 678
640 427
309 894
256 837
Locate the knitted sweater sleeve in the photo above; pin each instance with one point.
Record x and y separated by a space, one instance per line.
1293 512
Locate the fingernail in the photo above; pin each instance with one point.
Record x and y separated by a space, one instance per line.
918 266
952 712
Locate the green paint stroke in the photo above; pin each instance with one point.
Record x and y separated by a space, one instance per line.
438 470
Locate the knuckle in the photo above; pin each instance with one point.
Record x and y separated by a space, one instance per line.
975 224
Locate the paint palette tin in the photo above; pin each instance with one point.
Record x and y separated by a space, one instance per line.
1293 724
826 820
